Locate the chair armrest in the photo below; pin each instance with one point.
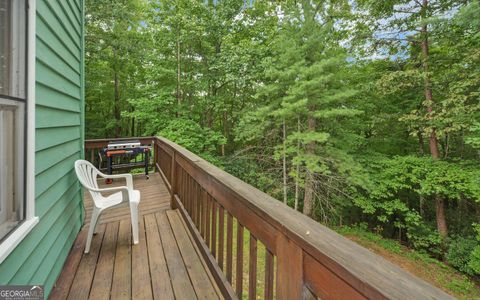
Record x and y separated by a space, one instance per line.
128 178
125 191
111 189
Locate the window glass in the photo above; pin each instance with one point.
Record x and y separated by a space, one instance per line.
12 114
12 48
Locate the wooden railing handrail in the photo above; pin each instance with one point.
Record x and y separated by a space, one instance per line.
333 255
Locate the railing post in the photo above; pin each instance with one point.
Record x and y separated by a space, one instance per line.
289 269
173 181
156 160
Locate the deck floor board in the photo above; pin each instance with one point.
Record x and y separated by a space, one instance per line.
182 287
165 264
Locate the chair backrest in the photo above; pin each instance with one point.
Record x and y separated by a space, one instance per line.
87 175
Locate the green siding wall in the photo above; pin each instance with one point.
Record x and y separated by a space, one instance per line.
58 143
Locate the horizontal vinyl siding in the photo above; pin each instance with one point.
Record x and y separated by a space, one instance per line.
51 137
47 158
58 140
49 117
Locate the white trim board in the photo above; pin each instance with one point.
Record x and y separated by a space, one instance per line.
14 239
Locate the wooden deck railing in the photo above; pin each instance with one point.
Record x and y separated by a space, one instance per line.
288 255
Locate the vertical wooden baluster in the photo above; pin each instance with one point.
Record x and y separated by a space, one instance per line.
194 203
185 196
182 185
173 181
268 275
229 246
203 211
252 269
187 189
179 188
171 168
155 159
213 247
207 218
163 164
198 211
179 182
191 198
221 231
155 156
190 195
239 277
92 156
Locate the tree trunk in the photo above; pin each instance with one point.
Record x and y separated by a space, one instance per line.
420 143
297 188
440 214
116 109
421 205
284 162
297 185
225 129
178 91
309 197
133 128
433 142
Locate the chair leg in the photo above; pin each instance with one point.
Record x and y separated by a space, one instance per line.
134 215
91 228
95 231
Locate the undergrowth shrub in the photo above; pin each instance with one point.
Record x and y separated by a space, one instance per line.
458 253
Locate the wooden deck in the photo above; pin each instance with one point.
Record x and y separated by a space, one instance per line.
166 264
224 231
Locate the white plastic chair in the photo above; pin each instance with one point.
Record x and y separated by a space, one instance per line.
125 195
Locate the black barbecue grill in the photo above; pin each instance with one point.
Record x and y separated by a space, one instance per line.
123 154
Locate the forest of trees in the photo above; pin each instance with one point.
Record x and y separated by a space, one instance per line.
355 112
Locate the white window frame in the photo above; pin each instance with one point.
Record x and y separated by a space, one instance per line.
19 233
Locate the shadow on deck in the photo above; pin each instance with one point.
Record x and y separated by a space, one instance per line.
166 264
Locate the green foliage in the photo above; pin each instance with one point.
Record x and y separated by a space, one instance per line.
114 44
425 238
403 188
325 96
191 136
474 263
473 138
458 253
361 231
